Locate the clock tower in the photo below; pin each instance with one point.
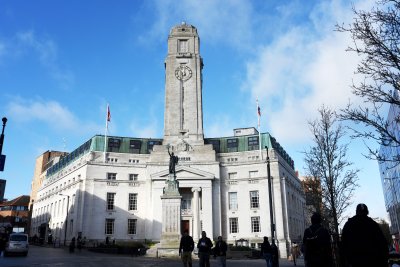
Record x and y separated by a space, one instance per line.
183 117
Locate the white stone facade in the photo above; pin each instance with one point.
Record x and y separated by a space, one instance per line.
222 192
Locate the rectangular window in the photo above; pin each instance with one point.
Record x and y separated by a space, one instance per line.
114 144
132 201
186 204
133 177
183 46
111 176
109 227
110 201
254 200
253 174
233 203
71 227
132 226
232 175
255 225
233 225
134 146
232 145
252 143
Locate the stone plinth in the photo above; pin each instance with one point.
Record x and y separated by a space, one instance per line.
171 215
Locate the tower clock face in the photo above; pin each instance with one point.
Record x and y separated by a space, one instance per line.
183 73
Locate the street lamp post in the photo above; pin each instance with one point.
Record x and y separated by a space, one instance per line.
66 220
271 213
2 157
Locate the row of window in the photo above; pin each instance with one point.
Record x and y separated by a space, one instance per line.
114 145
54 209
254 200
252 174
110 226
61 186
131 176
132 201
13 208
234 225
232 144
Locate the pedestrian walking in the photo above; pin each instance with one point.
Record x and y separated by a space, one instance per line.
317 244
363 242
2 244
295 252
204 245
79 243
72 245
186 247
220 251
266 251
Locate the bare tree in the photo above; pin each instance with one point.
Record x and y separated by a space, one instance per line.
326 161
376 39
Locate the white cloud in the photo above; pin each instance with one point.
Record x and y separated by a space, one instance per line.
302 69
220 21
52 114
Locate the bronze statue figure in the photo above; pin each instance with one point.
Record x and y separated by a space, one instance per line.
173 160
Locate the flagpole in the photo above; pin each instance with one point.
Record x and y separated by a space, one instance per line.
259 132
105 134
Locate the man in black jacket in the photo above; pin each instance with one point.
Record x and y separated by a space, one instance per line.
220 251
266 251
186 247
204 245
317 244
363 242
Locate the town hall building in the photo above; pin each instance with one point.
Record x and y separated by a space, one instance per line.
222 183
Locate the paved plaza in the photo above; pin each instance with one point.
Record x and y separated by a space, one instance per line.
46 257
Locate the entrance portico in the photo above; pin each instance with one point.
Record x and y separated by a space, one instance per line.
195 186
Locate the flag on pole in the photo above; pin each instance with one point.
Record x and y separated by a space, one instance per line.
108 119
258 114
259 131
108 113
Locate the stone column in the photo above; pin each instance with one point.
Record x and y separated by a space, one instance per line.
196 213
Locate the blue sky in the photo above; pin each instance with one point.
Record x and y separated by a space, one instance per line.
61 62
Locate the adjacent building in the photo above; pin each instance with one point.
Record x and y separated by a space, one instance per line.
14 215
390 171
112 188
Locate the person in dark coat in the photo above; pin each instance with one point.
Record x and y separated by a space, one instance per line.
186 247
3 242
266 251
72 245
204 245
79 243
220 251
317 244
363 242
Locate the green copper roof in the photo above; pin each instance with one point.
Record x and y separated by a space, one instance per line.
131 145
248 143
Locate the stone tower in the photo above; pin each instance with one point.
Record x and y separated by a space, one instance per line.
183 118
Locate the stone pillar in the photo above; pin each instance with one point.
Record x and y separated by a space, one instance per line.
171 214
196 213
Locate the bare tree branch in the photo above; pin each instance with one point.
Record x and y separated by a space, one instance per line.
376 39
326 163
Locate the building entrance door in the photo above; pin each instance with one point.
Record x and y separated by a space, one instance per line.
185 226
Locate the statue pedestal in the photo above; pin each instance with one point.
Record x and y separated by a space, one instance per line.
171 218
